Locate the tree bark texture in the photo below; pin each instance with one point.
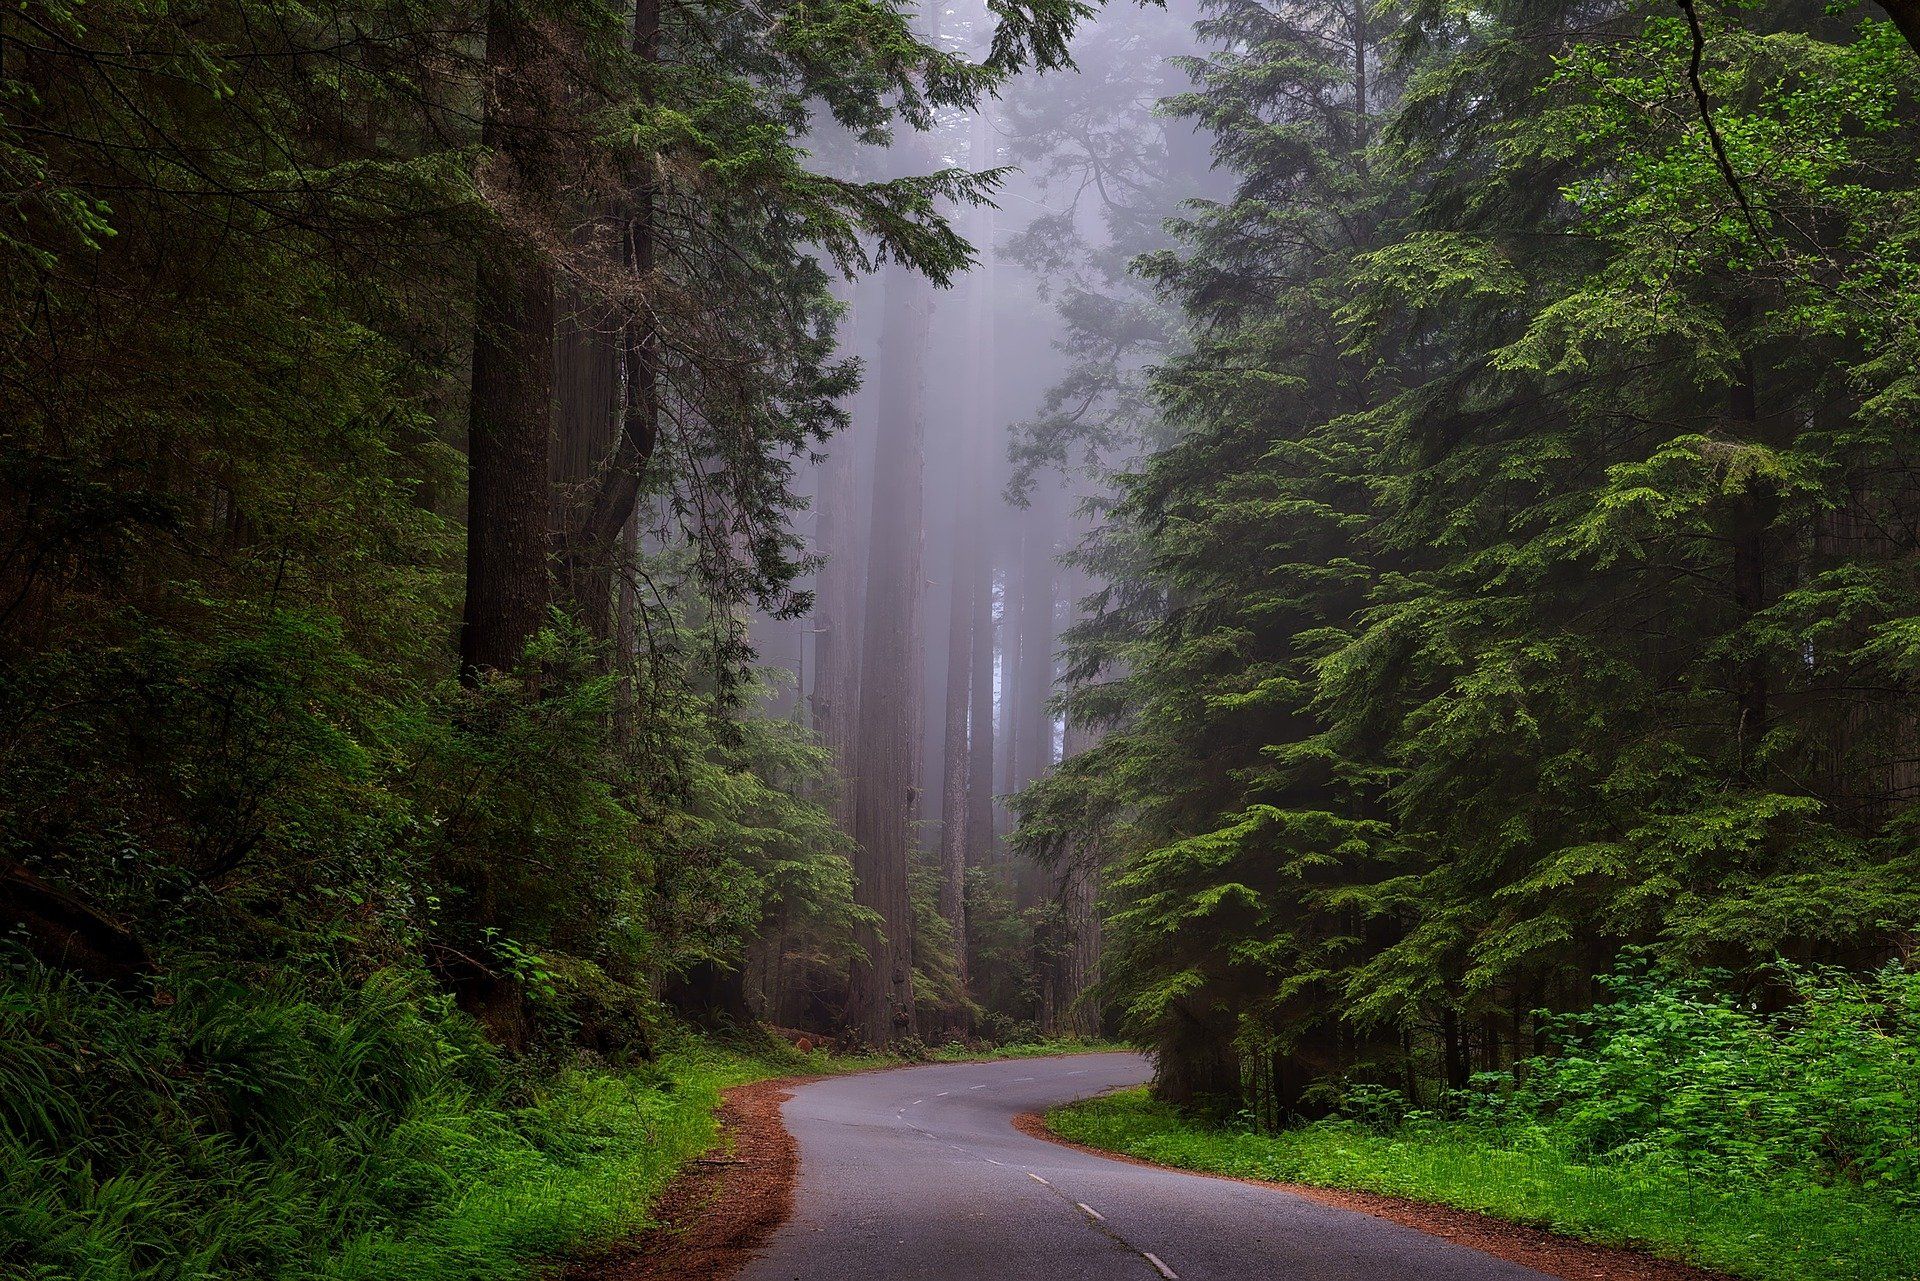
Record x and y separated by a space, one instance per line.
512 387
1077 954
1038 632
881 1007
983 429
618 490
956 761
836 614
587 410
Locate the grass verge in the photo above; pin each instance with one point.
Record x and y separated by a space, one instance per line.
322 1129
1792 1232
958 1053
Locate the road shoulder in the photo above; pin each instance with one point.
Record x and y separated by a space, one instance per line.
720 1209
1519 1243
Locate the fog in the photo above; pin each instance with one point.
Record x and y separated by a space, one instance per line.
992 417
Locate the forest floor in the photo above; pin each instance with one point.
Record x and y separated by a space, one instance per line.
1534 1207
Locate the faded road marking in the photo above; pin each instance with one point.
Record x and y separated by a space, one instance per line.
1165 1271
1092 1213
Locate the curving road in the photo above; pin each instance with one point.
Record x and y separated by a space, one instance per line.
920 1173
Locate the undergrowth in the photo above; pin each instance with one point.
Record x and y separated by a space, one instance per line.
1787 1232
1766 1134
300 1129
1044 1047
341 1130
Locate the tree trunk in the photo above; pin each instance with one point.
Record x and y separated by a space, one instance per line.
980 835
617 491
1079 955
956 762
836 610
881 998
1753 519
587 413
1038 632
626 632
983 427
508 424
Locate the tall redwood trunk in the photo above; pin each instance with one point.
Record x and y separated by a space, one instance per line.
1007 744
984 433
1038 632
980 834
1077 963
834 699
618 492
956 761
587 412
881 991
512 389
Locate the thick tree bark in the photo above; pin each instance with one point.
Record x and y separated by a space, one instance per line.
609 506
508 429
587 410
956 763
1077 958
837 605
980 835
881 1007
1038 632
984 431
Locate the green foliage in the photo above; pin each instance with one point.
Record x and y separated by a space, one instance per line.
1826 1086
1526 576
237 329
335 1128
1785 1231
1772 1141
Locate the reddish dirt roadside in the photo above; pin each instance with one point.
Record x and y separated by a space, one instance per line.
1530 1247
722 1207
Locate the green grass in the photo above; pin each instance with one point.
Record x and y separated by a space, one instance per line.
583 1164
955 1052
324 1131
1788 1232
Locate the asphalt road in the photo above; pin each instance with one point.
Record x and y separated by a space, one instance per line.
920 1173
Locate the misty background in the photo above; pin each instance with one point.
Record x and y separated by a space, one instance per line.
951 524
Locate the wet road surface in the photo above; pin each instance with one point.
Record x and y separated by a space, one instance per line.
920 1173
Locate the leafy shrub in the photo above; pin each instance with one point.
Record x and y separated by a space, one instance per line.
1689 1073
